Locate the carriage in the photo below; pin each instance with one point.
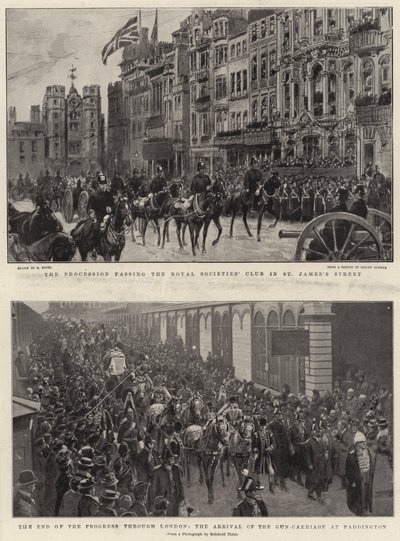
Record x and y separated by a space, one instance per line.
342 236
69 209
114 362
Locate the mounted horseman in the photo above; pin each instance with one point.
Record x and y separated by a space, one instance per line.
201 181
252 181
99 208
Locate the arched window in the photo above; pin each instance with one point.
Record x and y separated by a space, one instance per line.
196 332
348 83
245 119
260 349
286 95
301 322
317 90
385 75
367 77
350 145
273 320
332 94
189 331
263 65
288 320
264 109
217 335
254 68
254 111
233 121
239 121
226 339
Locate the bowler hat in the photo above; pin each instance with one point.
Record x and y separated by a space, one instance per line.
86 484
110 494
27 477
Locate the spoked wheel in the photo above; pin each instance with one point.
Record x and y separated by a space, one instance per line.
68 206
82 205
382 223
339 236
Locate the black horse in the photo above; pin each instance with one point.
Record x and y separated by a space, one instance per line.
41 233
221 193
112 239
206 446
192 213
153 210
241 200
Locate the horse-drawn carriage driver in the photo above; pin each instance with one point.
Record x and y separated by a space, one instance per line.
99 208
201 181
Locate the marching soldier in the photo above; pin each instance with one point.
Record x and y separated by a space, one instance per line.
263 445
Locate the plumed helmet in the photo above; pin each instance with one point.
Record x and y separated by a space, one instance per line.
200 165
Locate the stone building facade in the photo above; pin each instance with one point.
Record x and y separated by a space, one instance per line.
74 130
25 145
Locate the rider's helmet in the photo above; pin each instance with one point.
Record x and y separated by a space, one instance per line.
159 169
253 160
101 179
201 165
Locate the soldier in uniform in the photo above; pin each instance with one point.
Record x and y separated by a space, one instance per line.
176 443
88 504
99 207
24 505
158 182
232 412
201 182
252 505
263 444
252 181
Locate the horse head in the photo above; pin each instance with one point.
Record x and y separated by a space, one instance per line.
220 428
45 219
122 213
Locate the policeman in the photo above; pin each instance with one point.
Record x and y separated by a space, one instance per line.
201 182
159 182
252 180
359 207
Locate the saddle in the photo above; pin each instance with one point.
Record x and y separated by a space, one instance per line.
143 202
183 204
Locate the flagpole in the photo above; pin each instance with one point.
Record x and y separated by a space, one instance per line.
140 23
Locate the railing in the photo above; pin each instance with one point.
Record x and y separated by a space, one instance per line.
202 104
202 75
374 114
366 41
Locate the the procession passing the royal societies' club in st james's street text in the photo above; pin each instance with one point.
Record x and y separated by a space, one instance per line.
199 135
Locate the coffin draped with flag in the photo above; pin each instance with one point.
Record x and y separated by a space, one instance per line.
127 35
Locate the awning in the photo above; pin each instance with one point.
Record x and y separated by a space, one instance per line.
161 150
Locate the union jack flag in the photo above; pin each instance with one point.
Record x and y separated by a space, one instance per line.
125 36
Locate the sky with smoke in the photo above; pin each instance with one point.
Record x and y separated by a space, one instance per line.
43 44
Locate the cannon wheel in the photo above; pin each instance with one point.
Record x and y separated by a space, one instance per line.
361 243
382 223
82 205
68 206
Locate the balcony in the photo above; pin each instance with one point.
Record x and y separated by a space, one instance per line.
366 42
202 75
202 104
374 114
229 138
